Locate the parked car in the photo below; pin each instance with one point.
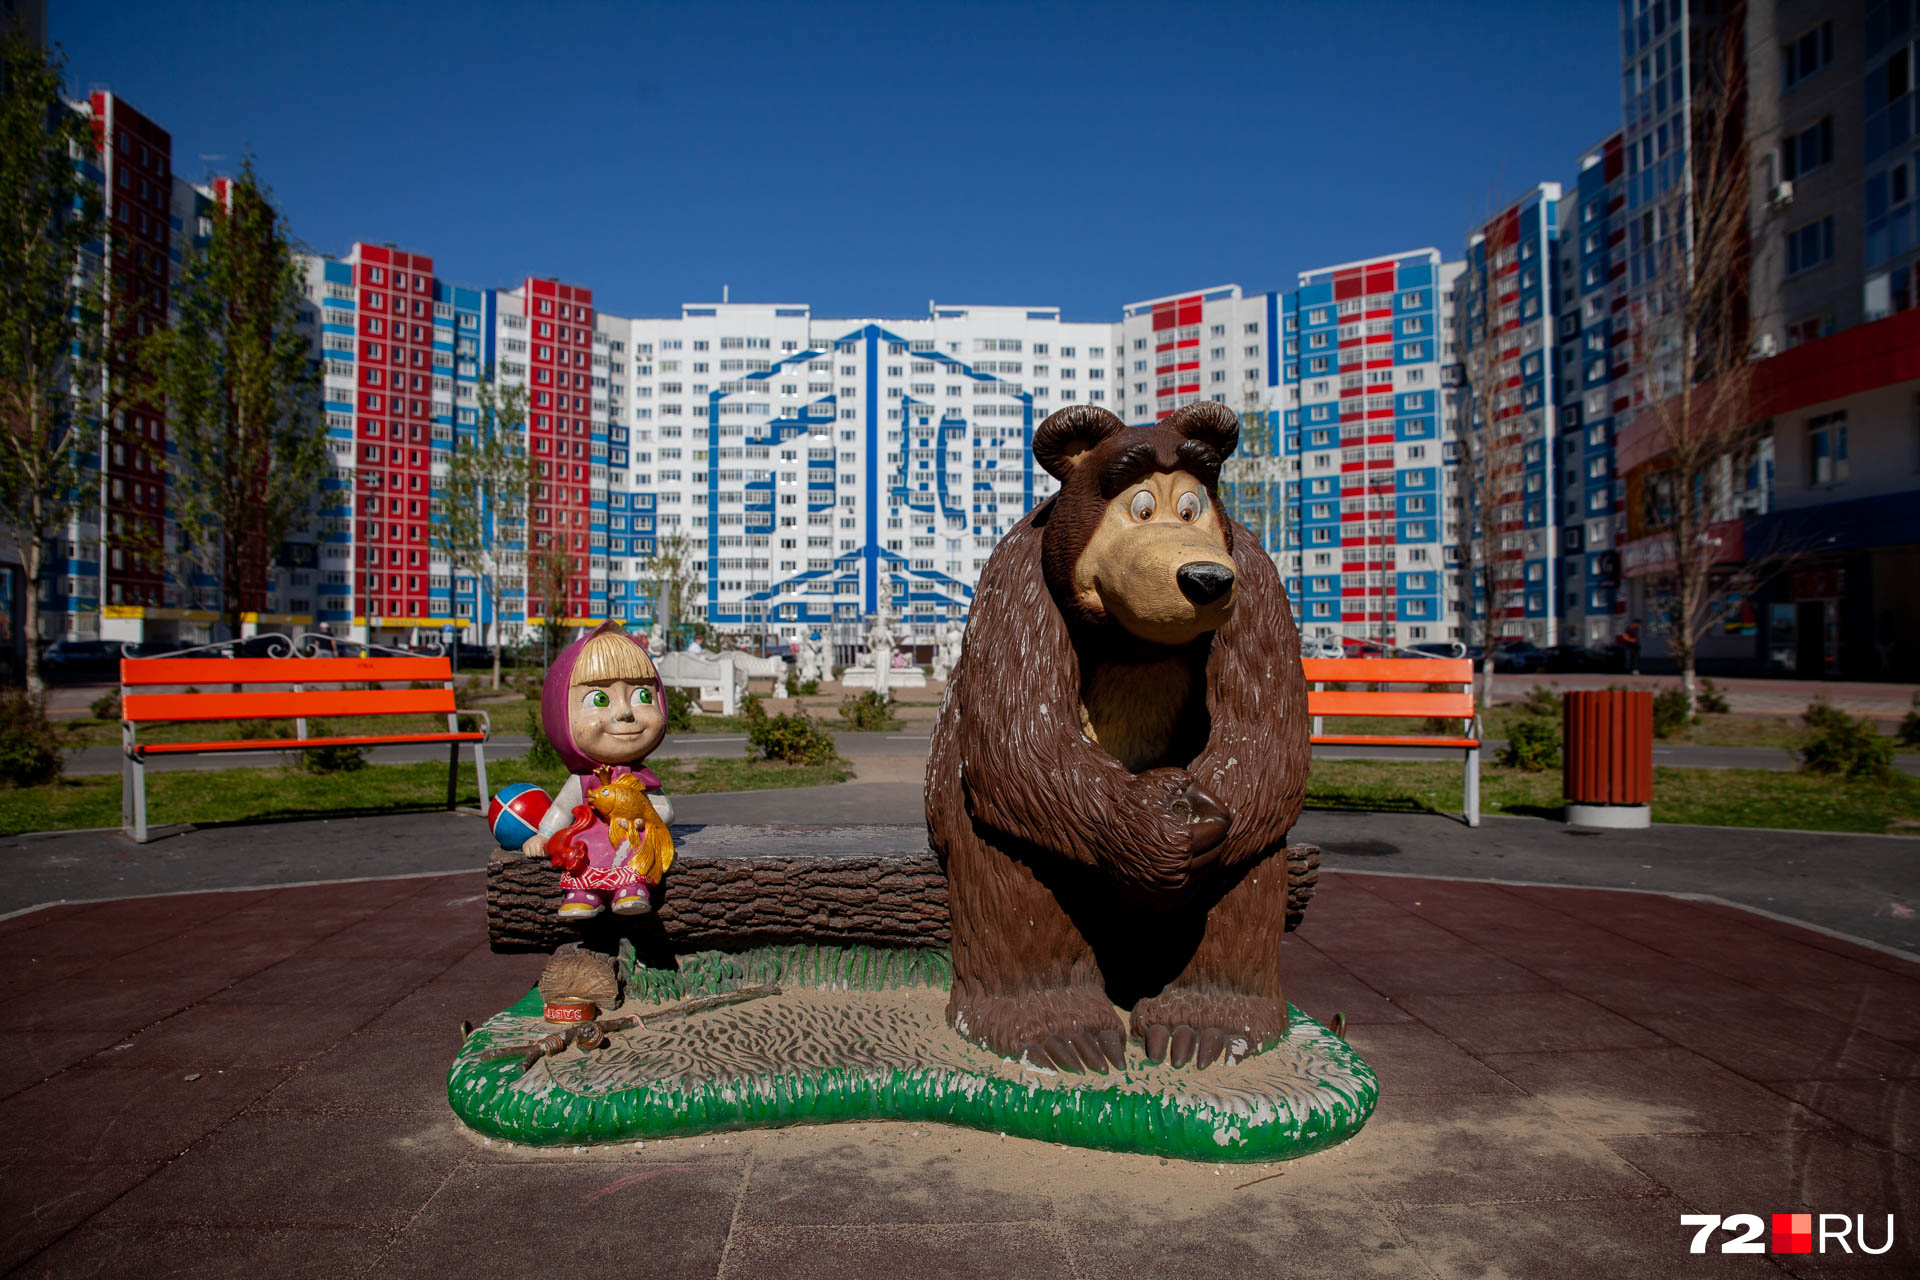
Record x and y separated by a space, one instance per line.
1321 648
1361 648
1579 657
1435 649
77 661
475 655
1520 657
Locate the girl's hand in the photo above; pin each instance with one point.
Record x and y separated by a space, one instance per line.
535 847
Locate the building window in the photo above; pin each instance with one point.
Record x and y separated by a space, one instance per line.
1827 449
1809 246
1802 57
1810 149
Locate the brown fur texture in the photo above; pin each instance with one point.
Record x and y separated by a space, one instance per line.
1080 881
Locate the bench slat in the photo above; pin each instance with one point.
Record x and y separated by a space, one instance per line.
1348 702
297 744
148 708
1390 670
206 671
1388 740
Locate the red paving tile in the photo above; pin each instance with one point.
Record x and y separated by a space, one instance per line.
1507 1022
213 1253
1560 1070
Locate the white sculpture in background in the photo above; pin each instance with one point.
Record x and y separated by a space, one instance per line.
880 649
811 659
947 656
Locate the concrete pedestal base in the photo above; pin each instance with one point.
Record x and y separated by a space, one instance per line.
1618 816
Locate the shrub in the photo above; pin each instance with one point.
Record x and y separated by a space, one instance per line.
1533 744
106 706
1910 727
1541 701
540 755
29 747
1836 743
1669 713
796 738
1710 701
253 730
328 759
751 708
869 710
679 710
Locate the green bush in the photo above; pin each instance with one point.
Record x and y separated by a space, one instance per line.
869 710
328 759
1670 713
679 710
29 747
1710 701
1836 743
1533 744
254 730
796 738
1910 727
540 755
751 708
1541 701
106 706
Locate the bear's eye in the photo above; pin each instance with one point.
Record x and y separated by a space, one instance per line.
1191 505
1142 505
597 699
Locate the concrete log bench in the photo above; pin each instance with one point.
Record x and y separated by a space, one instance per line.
734 887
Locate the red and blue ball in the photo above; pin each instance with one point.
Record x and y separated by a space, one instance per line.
515 812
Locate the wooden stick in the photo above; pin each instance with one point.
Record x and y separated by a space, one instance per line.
703 1003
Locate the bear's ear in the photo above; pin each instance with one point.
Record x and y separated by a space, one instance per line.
1211 423
1069 435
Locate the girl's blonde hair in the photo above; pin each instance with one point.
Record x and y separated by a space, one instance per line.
610 656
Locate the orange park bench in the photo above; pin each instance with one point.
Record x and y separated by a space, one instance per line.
286 692
1376 700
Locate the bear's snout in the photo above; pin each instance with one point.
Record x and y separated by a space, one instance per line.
1204 581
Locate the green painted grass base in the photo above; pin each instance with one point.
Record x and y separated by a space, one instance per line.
1074 1110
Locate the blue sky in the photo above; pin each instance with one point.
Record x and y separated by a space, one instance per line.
865 158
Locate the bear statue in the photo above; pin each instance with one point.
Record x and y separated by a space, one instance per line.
1119 756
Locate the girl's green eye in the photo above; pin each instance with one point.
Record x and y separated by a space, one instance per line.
597 699
645 695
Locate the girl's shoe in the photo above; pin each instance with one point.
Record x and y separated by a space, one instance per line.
580 904
633 900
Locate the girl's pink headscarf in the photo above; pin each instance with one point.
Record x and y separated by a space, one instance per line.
556 709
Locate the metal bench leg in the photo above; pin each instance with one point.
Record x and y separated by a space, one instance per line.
138 768
453 773
1473 786
480 771
126 794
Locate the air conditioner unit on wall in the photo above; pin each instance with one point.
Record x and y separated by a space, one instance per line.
1782 193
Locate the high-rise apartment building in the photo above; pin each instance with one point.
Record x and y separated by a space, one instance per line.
1593 369
1368 419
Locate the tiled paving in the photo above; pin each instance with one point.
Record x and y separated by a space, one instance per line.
252 1084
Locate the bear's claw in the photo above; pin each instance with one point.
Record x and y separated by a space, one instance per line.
1179 1044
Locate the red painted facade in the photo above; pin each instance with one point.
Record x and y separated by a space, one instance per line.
136 159
560 324
393 300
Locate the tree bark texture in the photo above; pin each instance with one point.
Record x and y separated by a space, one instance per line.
737 887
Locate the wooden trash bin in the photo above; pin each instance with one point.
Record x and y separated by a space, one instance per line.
1608 750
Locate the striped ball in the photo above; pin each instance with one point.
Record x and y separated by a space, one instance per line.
515 813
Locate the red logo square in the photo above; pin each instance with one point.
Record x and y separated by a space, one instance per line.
1793 1233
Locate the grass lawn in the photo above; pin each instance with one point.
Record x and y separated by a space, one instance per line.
252 794
1714 797
1781 732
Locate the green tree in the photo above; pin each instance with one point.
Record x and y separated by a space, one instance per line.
547 578
674 568
50 318
237 376
480 507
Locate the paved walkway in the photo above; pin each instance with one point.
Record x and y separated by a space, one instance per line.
252 1084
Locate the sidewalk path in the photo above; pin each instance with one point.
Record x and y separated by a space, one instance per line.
253 1084
1863 886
